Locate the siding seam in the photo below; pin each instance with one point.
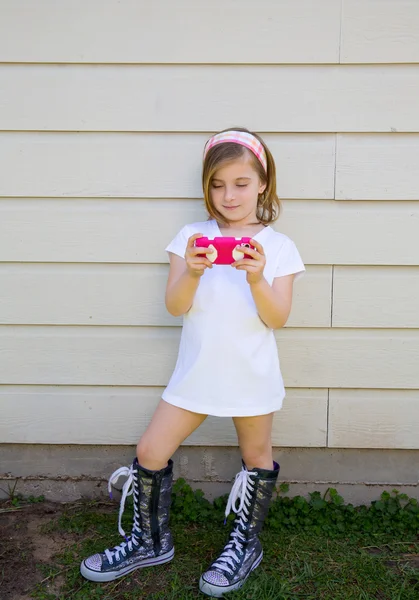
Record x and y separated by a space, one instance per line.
340 31
328 390
335 169
327 419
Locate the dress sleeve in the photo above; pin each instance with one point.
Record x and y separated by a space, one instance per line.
290 261
179 242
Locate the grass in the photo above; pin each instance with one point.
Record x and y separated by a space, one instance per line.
295 566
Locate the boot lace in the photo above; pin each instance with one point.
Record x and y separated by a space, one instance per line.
130 487
242 490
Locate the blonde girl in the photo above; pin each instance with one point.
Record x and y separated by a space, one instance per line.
227 366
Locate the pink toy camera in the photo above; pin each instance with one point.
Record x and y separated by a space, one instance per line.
224 249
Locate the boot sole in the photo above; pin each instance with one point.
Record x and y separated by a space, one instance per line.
217 591
111 575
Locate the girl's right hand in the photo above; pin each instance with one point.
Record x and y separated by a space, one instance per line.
195 264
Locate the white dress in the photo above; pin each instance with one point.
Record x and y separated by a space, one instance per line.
228 362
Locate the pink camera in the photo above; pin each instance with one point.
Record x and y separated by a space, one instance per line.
224 249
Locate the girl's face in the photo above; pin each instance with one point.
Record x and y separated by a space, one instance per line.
234 191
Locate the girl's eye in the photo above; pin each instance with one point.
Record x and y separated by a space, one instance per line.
216 186
242 185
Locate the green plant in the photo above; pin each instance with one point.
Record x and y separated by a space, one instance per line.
392 514
35 499
189 505
16 499
12 496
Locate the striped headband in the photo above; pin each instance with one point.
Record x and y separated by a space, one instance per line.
239 137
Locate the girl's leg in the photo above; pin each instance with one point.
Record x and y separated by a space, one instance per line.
249 499
149 479
168 428
255 440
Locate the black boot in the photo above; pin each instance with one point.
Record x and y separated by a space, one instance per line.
150 541
243 551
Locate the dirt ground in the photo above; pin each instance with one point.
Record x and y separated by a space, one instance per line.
23 546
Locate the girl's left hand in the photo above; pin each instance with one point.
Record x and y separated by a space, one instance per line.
253 266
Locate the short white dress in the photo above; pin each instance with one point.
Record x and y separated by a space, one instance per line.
228 364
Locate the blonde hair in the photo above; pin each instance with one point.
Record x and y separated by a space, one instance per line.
269 205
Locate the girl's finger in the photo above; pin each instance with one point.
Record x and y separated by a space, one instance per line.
247 269
250 252
255 254
247 265
249 261
197 262
258 246
191 240
196 250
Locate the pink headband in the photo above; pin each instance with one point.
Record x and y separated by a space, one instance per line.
239 137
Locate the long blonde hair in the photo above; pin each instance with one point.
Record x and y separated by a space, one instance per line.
269 205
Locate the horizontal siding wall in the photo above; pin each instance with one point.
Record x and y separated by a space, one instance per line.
130 230
351 167
376 297
286 31
375 31
331 357
102 294
81 415
131 165
99 355
296 98
127 31
100 154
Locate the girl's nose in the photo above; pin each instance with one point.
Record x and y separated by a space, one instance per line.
229 194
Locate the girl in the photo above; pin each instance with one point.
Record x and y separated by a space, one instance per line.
227 365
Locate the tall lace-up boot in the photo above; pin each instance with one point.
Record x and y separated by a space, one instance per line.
150 542
243 551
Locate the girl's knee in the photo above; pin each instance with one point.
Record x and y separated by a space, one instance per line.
145 452
258 457
151 456
140 447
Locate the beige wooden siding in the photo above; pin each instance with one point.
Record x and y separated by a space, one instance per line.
101 140
100 294
380 31
376 297
116 355
81 415
129 230
377 167
368 167
188 31
367 418
159 98
127 165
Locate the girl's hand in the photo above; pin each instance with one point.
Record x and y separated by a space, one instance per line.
253 266
195 264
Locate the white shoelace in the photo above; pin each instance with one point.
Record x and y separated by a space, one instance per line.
127 490
241 490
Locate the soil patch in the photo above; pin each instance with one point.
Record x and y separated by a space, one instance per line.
25 548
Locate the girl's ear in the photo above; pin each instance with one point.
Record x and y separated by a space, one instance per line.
262 187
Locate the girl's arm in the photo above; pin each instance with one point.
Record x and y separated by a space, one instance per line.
272 302
184 277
